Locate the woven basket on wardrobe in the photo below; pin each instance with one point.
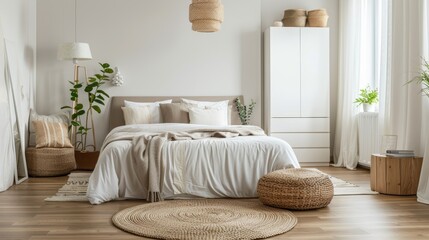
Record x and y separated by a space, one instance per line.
317 18
294 18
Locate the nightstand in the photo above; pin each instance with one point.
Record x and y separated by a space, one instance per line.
395 175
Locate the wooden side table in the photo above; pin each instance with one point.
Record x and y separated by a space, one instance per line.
395 175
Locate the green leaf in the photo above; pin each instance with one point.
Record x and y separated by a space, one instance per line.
74 94
96 108
103 92
80 112
72 83
66 107
74 123
78 106
105 65
79 85
98 76
99 101
88 89
108 70
100 97
91 97
94 84
73 99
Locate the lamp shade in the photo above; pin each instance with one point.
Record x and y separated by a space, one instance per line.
74 51
206 15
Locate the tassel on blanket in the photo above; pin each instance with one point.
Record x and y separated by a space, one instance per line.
154 197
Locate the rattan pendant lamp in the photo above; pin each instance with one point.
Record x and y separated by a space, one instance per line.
206 15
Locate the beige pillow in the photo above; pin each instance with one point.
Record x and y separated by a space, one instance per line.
174 113
58 117
51 134
156 114
141 115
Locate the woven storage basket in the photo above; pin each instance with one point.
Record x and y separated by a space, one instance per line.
319 21
295 13
294 21
317 12
47 162
297 188
294 18
317 18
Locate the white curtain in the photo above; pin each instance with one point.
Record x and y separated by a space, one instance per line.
423 190
7 162
402 107
362 63
404 112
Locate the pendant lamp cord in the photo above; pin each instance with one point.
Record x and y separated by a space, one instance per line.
75 20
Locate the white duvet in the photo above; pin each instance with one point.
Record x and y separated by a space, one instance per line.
208 168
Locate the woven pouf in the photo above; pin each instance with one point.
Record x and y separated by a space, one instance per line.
48 162
296 188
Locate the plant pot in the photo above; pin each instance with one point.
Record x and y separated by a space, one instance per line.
368 107
86 160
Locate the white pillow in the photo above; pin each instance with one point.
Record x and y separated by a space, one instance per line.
58 117
188 104
141 104
141 115
212 116
156 111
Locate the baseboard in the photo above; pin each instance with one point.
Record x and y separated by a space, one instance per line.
315 164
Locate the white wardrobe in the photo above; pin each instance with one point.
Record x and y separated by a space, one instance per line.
296 90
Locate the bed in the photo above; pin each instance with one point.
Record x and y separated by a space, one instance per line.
226 166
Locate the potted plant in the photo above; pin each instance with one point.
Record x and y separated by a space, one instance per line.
367 98
81 122
244 112
423 78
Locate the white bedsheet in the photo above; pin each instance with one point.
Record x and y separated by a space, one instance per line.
210 168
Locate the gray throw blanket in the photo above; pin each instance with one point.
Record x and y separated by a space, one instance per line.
147 148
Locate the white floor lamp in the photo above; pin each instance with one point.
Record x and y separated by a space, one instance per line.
75 51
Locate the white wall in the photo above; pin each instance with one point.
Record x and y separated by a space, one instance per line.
272 10
18 21
152 43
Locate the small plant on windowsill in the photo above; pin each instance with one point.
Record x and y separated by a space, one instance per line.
244 112
423 78
367 98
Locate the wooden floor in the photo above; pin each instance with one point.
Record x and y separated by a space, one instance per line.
25 215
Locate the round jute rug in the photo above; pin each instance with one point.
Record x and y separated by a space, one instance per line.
205 219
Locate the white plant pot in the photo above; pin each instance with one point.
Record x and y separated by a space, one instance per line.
368 107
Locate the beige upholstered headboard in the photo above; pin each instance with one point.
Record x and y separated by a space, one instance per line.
117 118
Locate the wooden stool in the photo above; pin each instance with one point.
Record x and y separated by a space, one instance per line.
395 175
